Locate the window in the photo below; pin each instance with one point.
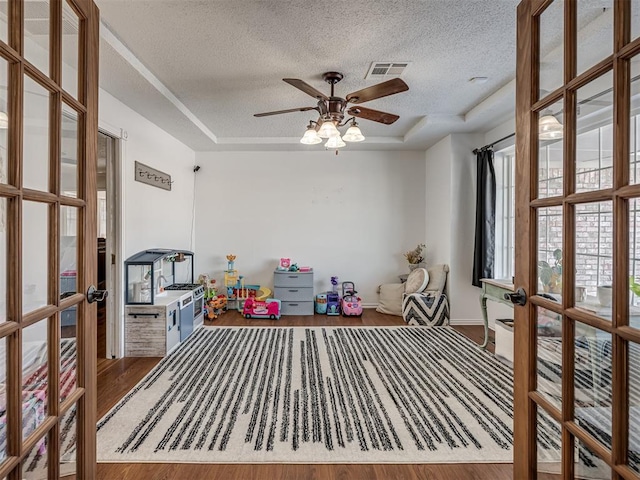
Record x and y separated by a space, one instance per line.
504 165
594 222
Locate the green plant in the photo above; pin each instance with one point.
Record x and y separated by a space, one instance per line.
415 256
551 275
633 286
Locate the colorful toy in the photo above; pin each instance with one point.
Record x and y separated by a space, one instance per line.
209 284
285 263
334 282
230 259
351 304
216 306
333 303
321 303
294 267
253 308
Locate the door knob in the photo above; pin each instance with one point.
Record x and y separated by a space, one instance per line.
517 298
94 295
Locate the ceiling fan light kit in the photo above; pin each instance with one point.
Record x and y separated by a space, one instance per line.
549 128
310 137
332 110
328 129
353 133
335 142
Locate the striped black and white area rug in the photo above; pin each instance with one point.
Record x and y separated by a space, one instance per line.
370 395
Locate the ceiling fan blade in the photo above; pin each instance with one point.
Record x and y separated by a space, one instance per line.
306 88
278 112
373 115
390 87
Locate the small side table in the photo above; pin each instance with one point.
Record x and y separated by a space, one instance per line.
493 290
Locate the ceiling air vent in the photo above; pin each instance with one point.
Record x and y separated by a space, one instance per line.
382 70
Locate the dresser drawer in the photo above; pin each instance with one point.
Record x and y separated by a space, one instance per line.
297 308
293 279
303 294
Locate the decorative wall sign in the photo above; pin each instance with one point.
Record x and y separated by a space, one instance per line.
153 177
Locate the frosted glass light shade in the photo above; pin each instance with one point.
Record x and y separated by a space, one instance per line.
335 142
310 137
4 120
353 134
549 128
328 130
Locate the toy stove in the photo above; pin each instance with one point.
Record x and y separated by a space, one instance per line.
198 289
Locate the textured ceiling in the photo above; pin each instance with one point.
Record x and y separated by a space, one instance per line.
225 60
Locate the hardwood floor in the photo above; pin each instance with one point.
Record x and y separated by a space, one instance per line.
116 377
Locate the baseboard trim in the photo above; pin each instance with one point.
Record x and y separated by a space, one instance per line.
467 321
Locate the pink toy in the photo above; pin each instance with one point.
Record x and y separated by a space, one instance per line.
285 263
253 308
351 303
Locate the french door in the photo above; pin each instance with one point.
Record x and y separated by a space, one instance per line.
48 148
577 375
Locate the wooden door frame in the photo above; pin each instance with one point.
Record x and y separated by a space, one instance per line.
524 379
115 195
528 106
87 407
86 105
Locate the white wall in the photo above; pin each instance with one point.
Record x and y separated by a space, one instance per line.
352 215
463 225
152 217
438 207
450 230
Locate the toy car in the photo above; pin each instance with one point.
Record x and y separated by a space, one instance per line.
351 304
333 303
253 308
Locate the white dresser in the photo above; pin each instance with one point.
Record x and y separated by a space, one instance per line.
295 292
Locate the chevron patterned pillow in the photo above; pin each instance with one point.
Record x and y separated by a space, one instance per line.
431 310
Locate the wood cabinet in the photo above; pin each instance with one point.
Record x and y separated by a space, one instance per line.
295 292
151 330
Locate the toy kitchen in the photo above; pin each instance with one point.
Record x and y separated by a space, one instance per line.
163 304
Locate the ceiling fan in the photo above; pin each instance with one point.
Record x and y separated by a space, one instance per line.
334 108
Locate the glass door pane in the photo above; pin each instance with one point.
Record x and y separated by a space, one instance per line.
69 153
35 376
634 124
549 447
4 120
70 50
35 143
37 39
34 466
68 441
549 354
634 263
4 21
594 136
592 380
550 253
595 32
633 452
551 48
35 267
3 260
550 151
594 257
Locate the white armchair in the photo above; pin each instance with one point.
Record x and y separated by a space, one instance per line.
428 306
